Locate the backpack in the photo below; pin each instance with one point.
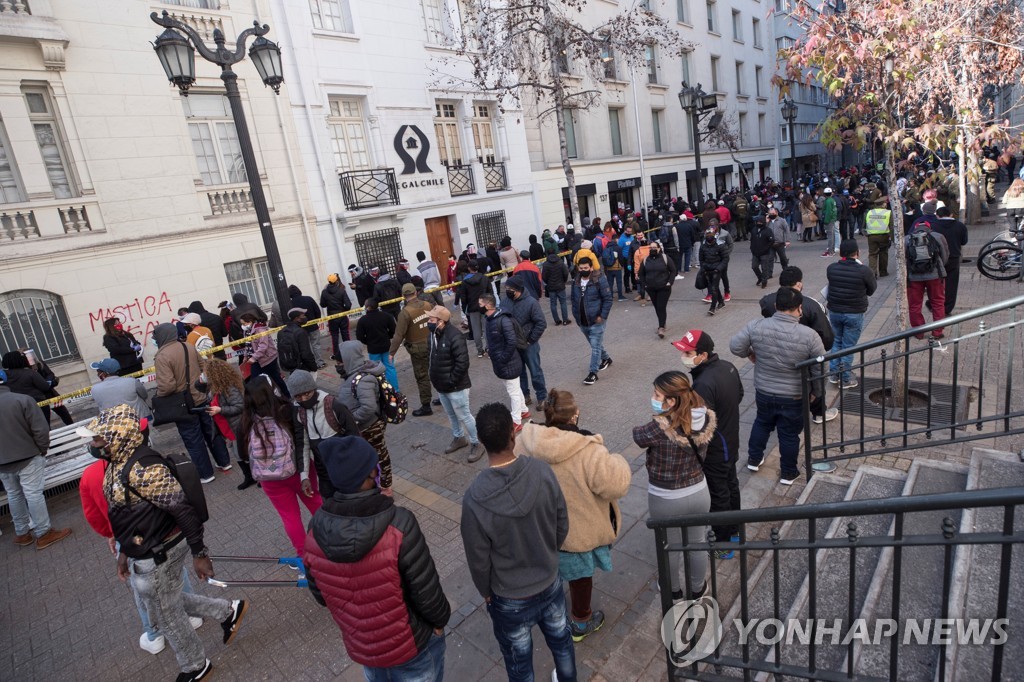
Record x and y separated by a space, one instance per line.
288 351
183 470
923 251
275 459
392 405
204 342
608 257
522 342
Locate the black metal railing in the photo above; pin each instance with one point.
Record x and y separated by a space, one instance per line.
460 180
495 179
369 188
964 386
802 544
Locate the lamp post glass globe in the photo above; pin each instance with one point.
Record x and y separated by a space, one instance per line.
178 58
266 55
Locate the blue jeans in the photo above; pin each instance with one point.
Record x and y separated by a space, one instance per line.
595 335
614 280
25 497
558 297
686 259
847 328
199 434
152 632
426 666
456 406
513 620
390 373
786 415
531 362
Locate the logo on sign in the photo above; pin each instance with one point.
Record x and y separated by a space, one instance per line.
416 142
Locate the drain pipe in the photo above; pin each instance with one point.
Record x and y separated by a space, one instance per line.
311 252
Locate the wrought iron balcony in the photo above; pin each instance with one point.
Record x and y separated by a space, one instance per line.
460 180
369 188
495 178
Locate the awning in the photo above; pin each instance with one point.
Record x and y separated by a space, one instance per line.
722 170
663 178
692 174
581 191
765 163
628 183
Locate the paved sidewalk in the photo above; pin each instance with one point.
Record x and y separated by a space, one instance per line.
65 616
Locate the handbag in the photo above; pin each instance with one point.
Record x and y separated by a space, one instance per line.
175 407
701 281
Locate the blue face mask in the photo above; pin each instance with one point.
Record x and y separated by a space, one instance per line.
657 406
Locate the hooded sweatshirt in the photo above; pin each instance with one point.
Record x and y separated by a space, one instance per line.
362 398
169 364
514 519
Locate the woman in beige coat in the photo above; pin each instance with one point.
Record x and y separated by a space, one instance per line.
592 480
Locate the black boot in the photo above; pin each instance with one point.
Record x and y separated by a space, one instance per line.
249 481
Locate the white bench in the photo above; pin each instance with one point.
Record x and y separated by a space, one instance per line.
66 459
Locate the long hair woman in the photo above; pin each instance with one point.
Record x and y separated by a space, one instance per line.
227 401
592 481
808 216
273 439
676 440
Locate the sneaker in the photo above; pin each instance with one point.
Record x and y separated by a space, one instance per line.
833 379
850 383
423 411
479 353
680 277
152 646
724 554
435 401
753 466
661 332
528 401
830 414
580 631
638 298
209 479
622 298
605 364
590 379
707 299
456 444
227 468
728 298
517 428
789 479
196 622
525 415
827 254
51 536
24 540
196 675
567 323
694 596
231 623
711 311
475 453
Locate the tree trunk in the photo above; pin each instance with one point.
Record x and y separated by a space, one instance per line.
899 372
962 178
563 147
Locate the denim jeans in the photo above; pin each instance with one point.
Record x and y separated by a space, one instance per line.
595 335
476 325
558 297
614 281
456 406
787 416
531 363
199 434
847 328
687 254
832 232
426 666
314 343
25 497
513 620
160 590
390 373
151 630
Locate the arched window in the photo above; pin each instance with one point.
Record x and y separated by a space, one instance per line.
36 320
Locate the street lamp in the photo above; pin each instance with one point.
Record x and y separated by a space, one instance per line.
789 110
697 103
177 57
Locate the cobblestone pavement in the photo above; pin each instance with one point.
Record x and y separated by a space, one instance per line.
65 616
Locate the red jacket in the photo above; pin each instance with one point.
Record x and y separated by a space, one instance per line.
724 215
94 504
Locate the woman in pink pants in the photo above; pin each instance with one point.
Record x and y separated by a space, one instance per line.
274 441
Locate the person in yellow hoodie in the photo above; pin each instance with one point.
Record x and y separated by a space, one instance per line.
587 251
592 481
640 253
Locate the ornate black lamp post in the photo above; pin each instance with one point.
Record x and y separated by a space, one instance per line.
697 104
789 110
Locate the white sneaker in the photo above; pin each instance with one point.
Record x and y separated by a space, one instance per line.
153 646
680 277
211 479
830 414
227 468
554 676
196 622
788 481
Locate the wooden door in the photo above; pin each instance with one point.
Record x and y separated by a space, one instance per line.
439 237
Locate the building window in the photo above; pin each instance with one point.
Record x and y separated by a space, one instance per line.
10 187
761 131
784 43
45 126
483 133
737 26
348 135
569 116
784 133
616 132
439 21
489 228
651 56
36 320
656 126
686 68
739 78
380 248
712 23
252 278
332 15
714 74
757 32
758 71
197 4
446 131
683 11
608 62
214 139
741 133
782 6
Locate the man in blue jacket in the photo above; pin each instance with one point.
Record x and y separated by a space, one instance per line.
526 311
591 304
501 344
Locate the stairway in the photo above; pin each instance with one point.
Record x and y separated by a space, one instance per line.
974 585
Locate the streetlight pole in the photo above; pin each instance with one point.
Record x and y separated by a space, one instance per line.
177 56
789 111
694 102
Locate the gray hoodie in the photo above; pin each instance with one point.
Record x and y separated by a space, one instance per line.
363 403
514 519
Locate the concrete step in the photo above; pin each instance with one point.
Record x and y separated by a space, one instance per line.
821 489
976 574
833 569
920 581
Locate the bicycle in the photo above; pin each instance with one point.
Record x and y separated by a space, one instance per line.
1002 257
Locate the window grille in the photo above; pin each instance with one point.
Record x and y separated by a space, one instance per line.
490 228
37 320
252 278
381 248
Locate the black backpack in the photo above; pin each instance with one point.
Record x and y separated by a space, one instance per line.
288 350
923 251
522 342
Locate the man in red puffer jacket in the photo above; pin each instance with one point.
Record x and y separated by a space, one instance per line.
368 562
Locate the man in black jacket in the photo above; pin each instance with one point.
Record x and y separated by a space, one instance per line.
762 255
449 373
293 348
212 322
375 330
850 282
388 289
299 300
955 233
335 300
718 383
473 286
555 276
505 360
362 283
526 311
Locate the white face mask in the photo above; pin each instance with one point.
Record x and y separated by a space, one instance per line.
689 361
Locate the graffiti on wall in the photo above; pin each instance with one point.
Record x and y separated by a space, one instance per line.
139 315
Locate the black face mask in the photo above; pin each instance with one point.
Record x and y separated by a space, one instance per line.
710 239
511 296
98 453
308 404
432 326
584 273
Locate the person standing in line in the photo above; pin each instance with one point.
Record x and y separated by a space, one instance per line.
505 360
360 393
525 310
514 519
368 562
260 355
830 222
213 323
473 286
195 333
122 346
113 389
334 299
555 276
591 305
780 240
226 391
431 277
529 274
294 349
375 329
718 384
850 283
926 254
808 216
655 276
592 480
361 282
955 234
26 436
878 226
449 374
21 378
676 440
387 288
411 330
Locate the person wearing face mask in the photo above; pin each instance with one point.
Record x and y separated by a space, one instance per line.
712 263
591 304
122 346
449 374
718 383
261 353
676 440
656 274
525 309
505 359
321 416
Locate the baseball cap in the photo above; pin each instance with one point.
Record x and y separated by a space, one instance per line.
107 366
408 289
332 278
828 190
439 312
191 318
695 340
295 312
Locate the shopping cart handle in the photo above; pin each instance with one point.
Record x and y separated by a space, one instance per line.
293 561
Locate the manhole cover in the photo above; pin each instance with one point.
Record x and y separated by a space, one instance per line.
933 404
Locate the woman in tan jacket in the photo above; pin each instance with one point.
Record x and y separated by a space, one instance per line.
592 480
